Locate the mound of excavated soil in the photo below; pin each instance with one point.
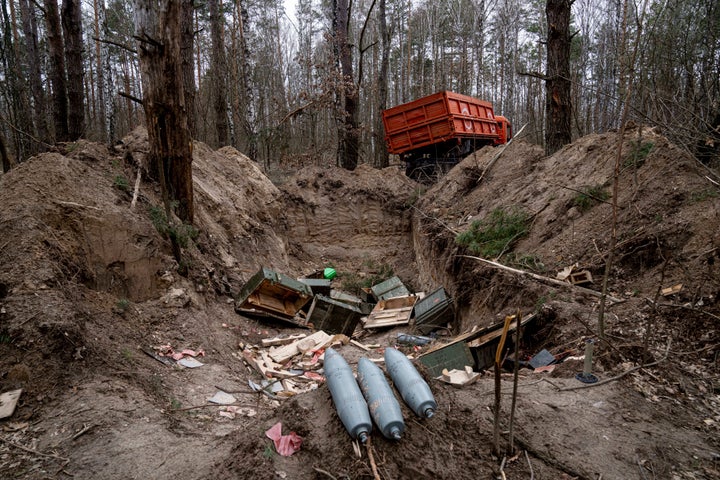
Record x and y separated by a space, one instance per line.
88 285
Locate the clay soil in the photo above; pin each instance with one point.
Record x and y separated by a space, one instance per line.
88 284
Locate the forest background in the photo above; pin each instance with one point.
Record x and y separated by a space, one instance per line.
276 84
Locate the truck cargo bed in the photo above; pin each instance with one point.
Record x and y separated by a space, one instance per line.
436 119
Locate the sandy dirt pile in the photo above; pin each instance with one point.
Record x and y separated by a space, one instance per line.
88 286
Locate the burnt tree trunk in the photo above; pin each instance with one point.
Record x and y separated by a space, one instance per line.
72 33
348 132
158 32
57 71
558 106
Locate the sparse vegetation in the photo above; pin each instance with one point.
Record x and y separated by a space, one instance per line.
526 262
704 195
371 274
496 233
123 304
589 196
121 183
181 233
638 153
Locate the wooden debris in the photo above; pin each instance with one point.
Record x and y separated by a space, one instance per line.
274 342
459 378
391 312
286 352
665 292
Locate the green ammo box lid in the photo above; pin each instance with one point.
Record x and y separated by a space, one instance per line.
392 287
433 311
333 316
454 355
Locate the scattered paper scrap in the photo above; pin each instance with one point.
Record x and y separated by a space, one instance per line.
671 290
8 402
545 368
285 445
222 398
190 362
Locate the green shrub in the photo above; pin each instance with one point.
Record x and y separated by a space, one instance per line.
181 233
703 195
121 183
496 233
589 196
371 274
638 153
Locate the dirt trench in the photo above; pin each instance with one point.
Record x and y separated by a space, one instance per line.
88 284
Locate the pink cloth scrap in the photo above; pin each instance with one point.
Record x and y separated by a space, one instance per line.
285 445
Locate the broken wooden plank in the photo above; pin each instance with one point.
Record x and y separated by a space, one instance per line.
286 352
276 341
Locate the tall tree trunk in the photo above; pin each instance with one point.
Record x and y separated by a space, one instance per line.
19 102
29 24
219 73
99 17
158 30
348 132
188 63
72 33
57 71
382 154
245 113
558 108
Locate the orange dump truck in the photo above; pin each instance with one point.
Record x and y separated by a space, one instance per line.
433 133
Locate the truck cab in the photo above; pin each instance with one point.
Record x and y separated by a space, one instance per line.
504 129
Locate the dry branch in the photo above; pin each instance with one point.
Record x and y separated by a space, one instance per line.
541 278
498 154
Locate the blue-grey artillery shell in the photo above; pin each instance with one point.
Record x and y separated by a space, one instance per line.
410 383
346 395
384 407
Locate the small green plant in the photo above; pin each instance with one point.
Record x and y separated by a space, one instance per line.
589 196
493 235
181 233
123 304
121 183
127 354
268 453
372 274
175 403
703 195
638 153
5 338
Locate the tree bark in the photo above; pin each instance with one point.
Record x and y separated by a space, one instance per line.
72 33
558 108
57 71
382 153
188 63
348 131
219 73
158 32
29 24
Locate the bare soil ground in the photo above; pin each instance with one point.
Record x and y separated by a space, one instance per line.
87 283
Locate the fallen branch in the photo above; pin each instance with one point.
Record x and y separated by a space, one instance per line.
541 278
373 465
527 457
327 474
499 154
34 452
137 189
